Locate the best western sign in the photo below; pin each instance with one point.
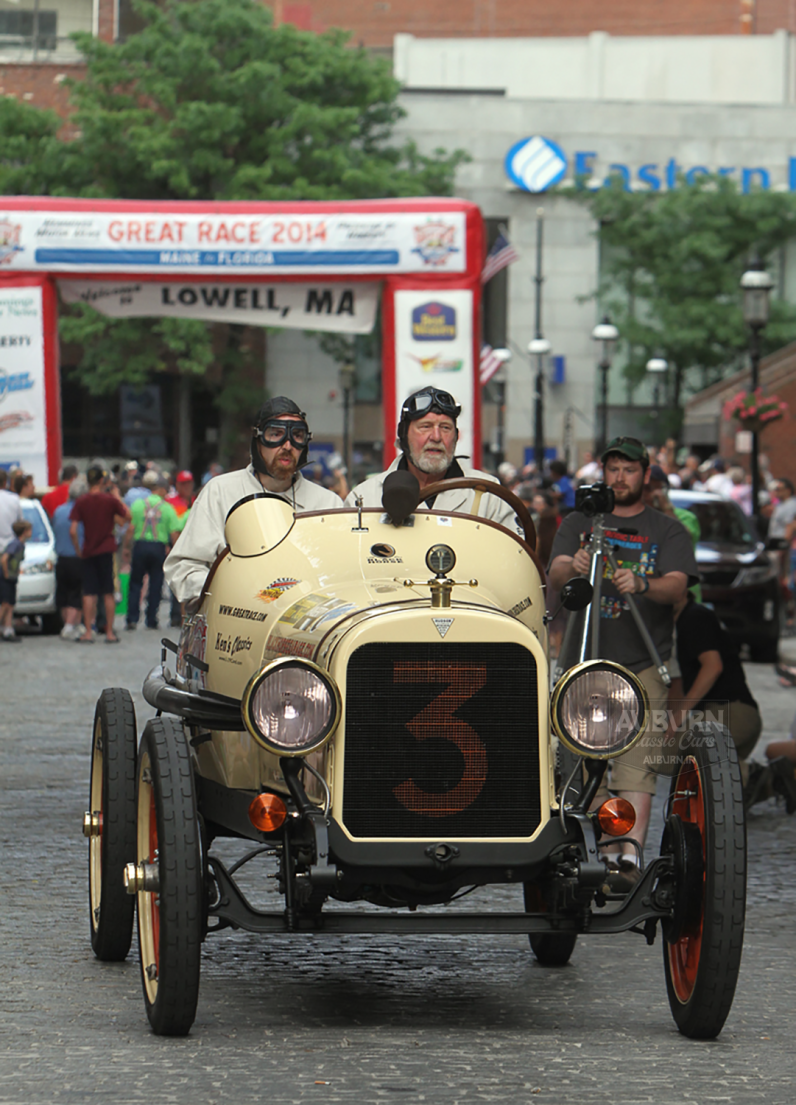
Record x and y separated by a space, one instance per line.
536 164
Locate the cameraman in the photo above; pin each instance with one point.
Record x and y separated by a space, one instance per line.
656 565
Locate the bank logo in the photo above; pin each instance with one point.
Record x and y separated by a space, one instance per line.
9 240
535 164
434 322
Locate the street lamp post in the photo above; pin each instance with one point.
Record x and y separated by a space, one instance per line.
756 285
657 368
348 378
539 347
607 334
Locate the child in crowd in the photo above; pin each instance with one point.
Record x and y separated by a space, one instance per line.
10 562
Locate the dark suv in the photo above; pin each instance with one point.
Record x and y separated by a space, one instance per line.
739 577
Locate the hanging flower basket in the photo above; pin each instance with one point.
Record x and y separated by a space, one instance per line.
753 410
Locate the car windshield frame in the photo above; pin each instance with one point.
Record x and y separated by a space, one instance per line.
721 521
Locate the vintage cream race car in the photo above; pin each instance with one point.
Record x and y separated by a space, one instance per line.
361 700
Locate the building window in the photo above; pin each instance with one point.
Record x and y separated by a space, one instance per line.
19 29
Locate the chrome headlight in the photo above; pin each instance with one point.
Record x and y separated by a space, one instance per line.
291 707
599 709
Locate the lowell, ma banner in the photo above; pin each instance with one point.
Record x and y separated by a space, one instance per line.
337 306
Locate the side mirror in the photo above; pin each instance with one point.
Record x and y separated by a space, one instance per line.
400 496
576 594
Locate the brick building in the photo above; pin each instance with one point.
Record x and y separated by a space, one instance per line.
375 23
707 431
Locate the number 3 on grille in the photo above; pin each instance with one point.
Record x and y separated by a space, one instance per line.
437 720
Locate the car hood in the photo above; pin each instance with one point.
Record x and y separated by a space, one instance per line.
712 552
38 551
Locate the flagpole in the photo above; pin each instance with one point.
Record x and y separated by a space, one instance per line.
539 348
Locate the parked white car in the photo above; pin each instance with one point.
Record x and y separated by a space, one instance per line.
36 587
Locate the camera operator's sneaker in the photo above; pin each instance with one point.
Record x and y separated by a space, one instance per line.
69 631
10 636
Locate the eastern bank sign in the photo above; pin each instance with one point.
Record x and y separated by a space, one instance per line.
536 164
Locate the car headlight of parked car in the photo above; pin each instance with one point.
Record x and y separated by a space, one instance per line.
36 569
291 707
761 573
599 709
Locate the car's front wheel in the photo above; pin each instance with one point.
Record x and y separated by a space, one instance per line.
551 949
705 835
168 878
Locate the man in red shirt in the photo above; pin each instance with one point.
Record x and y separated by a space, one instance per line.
59 495
99 512
182 499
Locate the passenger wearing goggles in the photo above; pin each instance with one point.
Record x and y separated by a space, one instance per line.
427 436
279 445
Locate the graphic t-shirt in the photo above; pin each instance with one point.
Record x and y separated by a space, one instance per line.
651 544
698 631
97 513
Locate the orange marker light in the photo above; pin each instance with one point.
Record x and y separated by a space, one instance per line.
267 812
616 817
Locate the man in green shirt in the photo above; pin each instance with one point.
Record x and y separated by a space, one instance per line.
153 529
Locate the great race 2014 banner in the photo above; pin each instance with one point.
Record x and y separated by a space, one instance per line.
163 242
338 307
22 404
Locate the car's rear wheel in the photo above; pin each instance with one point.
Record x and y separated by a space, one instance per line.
110 824
551 949
170 891
705 833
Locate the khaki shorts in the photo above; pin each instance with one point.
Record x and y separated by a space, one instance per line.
640 768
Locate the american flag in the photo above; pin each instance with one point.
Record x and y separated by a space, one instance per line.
500 255
490 363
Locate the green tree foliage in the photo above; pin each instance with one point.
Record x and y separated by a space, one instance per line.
210 102
30 152
671 266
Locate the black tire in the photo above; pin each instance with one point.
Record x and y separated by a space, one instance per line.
552 949
112 805
51 624
170 920
702 955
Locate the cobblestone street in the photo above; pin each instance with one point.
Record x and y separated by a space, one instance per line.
348 1019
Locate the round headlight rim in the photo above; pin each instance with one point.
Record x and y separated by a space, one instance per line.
261 675
564 683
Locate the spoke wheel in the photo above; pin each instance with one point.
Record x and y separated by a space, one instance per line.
112 811
168 847
702 950
552 949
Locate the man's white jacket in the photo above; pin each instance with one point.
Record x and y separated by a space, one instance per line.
460 501
203 538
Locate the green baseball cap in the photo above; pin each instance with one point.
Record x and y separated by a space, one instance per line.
629 447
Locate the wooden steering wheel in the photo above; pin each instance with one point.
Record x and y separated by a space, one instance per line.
486 487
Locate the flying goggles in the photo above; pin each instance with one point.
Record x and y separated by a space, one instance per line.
275 432
423 401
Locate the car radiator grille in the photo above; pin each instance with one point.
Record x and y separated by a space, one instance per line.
441 740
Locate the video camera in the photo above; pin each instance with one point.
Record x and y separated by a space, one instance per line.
594 499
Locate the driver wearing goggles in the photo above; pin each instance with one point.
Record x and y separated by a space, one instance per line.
427 436
279 447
